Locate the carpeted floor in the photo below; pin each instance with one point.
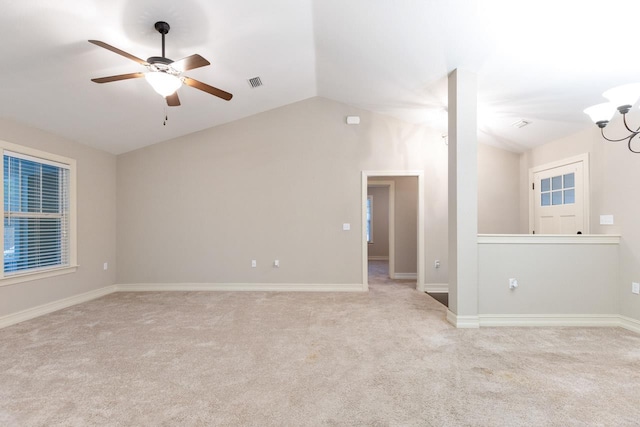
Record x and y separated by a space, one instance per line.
379 273
383 358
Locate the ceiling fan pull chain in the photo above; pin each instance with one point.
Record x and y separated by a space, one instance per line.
166 117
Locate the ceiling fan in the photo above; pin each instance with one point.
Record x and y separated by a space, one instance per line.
164 75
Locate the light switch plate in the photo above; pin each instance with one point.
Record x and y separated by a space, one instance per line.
606 219
346 226
635 287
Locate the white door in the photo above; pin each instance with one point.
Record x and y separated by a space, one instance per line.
558 200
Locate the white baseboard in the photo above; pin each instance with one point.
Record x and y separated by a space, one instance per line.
584 320
405 276
246 287
463 322
630 324
436 288
31 313
378 258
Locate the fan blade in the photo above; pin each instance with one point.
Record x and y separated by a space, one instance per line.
119 77
173 100
119 52
189 63
206 88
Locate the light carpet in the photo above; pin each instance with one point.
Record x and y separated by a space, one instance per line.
383 358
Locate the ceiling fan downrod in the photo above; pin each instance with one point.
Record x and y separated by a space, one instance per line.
163 28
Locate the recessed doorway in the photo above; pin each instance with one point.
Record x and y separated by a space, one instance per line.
383 178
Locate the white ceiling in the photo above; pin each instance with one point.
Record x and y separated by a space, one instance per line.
542 61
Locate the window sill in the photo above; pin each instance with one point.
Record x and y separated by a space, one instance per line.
36 275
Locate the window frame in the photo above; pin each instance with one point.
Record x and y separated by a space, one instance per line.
45 272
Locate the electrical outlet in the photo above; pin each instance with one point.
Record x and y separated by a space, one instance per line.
254 263
276 263
436 263
513 283
635 287
105 266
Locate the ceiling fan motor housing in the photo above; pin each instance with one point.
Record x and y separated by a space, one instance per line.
162 27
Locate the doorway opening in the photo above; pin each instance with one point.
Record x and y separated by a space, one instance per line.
387 180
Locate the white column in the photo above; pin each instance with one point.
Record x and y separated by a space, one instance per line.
463 199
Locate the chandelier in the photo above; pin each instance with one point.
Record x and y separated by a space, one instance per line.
620 98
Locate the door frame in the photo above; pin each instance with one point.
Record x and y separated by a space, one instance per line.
584 158
420 238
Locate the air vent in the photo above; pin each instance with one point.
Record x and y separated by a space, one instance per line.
520 123
255 82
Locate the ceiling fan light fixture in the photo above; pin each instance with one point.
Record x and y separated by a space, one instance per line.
164 83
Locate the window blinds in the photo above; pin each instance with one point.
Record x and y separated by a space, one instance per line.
36 214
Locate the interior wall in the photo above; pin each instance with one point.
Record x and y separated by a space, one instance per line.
614 174
277 185
559 279
379 247
498 191
406 218
96 228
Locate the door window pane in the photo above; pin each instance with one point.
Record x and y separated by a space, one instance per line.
556 198
556 183
546 199
569 180
569 196
545 184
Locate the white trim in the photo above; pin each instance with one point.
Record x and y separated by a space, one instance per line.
37 275
378 258
241 287
584 158
406 276
31 313
549 239
463 322
436 288
630 324
420 249
583 320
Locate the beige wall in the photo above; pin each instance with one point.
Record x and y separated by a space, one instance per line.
277 185
614 174
96 181
552 279
379 247
406 213
498 191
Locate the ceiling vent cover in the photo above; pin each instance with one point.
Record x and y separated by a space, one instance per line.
255 82
520 123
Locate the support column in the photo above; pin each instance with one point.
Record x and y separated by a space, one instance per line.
463 200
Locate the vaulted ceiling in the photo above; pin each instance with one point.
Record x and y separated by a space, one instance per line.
542 61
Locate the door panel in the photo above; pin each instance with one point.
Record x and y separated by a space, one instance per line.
559 200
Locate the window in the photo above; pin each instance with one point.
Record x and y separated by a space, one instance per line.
558 190
370 219
39 216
